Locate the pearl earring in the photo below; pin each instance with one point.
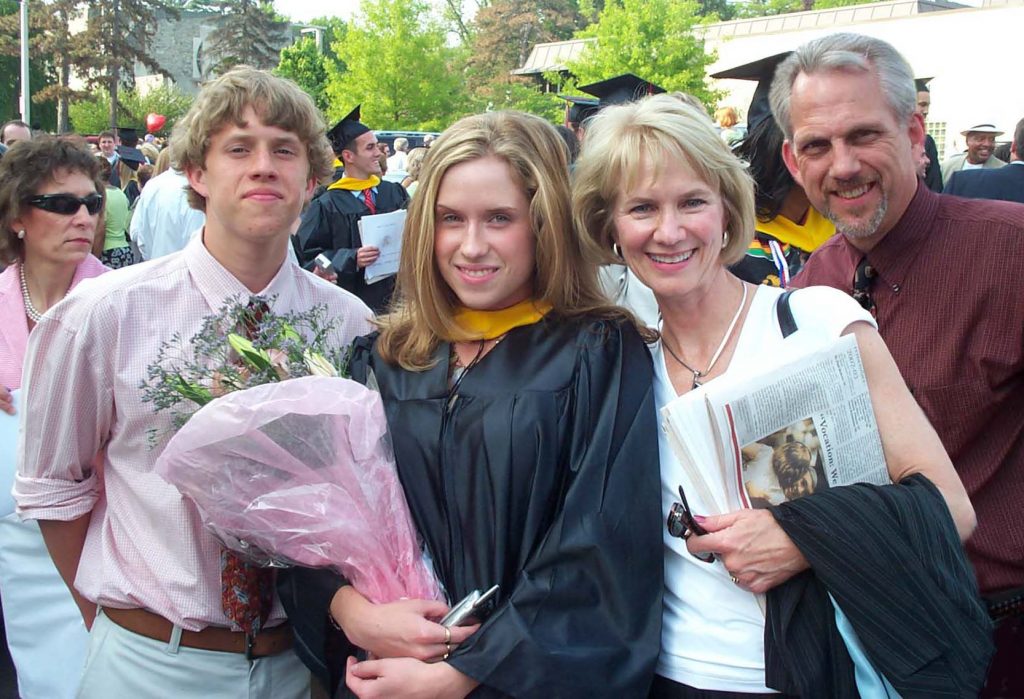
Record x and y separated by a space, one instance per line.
21 234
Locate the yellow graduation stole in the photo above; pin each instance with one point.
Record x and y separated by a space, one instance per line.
814 231
488 325
353 185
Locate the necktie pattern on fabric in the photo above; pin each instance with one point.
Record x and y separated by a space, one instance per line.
368 200
863 279
246 589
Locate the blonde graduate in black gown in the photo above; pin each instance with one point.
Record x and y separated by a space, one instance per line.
520 408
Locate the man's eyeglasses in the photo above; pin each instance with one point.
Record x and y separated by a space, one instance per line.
682 525
67 204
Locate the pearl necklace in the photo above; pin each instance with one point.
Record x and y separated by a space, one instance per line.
30 309
697 373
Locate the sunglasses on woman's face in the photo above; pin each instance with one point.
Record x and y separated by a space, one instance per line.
67 204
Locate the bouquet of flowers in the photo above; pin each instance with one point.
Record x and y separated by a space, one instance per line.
287 462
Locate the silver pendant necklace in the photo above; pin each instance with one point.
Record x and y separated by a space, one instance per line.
697 373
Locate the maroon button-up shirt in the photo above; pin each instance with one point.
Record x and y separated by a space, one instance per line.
950 306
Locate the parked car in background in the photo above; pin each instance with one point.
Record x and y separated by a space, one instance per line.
415 141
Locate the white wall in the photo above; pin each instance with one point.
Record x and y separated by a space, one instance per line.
974 54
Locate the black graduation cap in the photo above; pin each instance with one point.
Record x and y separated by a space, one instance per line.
132 157
579 109
620 89
921 84
346 130
129 136
761 70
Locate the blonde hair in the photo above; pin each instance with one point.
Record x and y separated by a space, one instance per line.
278 102
659 130
565 265
126 174
163 162
415 163
726 117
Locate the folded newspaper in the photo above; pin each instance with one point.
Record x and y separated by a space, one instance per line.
805 426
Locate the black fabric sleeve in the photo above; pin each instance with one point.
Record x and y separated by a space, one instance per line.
891 558
324 229
933 173
584 617
306 594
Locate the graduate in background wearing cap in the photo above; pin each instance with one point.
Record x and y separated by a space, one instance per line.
330 226
129 158
788 229
619 284
577 111
618 90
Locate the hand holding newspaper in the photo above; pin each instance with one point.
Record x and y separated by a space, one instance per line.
805 426
384 232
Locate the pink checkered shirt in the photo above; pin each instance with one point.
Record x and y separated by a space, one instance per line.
145 546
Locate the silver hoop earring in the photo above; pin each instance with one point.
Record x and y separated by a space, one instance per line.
725 240
617 251
21 234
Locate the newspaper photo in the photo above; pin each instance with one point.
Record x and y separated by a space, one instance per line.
805 426
783 466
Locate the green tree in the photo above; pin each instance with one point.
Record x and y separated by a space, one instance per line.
505 31
41 71
765 8
119 33
249 32
304 63
654 39
91 115
399 67
51 38
335 31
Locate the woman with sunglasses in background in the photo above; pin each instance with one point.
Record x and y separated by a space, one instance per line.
50 203
520 409
656 180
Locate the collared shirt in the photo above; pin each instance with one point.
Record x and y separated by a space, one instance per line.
950 308
163 221
146 546
360 194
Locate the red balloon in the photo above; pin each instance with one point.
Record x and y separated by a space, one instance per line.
155 122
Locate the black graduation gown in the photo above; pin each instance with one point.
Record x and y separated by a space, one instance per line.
542 478
933 173
330 226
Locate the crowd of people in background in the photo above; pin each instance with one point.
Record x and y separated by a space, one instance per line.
557 287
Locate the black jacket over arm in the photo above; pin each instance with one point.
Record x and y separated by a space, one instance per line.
892 560
542 478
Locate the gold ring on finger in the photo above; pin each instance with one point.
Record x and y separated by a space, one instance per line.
735 580
447 635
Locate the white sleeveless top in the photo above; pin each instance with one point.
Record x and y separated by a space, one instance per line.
712 631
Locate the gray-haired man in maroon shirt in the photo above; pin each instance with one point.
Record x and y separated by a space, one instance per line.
942 276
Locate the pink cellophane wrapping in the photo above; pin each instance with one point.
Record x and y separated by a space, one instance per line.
302 472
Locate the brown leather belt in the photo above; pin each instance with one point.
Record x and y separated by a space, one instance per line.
146 623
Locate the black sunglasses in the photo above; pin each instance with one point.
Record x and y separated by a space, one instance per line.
682 525
67 204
